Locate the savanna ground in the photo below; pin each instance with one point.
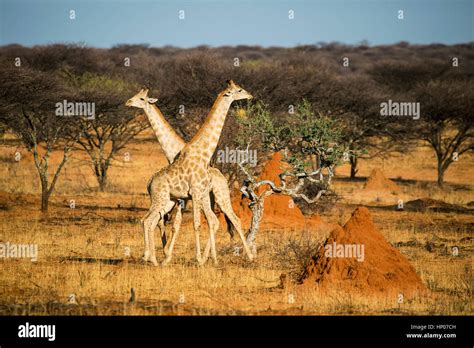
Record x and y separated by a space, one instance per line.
82 250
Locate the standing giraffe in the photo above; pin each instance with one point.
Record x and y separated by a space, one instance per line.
172 144
204 143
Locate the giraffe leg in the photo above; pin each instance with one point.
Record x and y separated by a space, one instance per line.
149 222
238 226
222 196
213 223
160 206
176 228
166 207
146 253
197 224
146 220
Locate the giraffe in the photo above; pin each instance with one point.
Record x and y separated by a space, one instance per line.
170 141
172 145
204 143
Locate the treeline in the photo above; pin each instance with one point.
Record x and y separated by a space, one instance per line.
279 76
345 82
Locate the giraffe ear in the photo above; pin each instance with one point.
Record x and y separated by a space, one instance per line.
152 100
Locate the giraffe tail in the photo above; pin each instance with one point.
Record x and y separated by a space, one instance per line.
230 227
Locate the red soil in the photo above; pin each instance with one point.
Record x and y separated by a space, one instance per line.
279 210
384 270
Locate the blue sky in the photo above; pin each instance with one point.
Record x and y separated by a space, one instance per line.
104 23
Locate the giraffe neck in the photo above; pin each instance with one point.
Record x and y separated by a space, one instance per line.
206 139
170 141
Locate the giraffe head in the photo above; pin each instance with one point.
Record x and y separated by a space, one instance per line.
141 99
235 92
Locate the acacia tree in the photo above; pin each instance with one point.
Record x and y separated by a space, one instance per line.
446 120
300 140
104 137
355 102
28 109
113 125
446 100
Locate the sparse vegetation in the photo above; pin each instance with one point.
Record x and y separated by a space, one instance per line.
83 247
102 225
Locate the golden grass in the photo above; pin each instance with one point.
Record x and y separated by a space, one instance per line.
103 224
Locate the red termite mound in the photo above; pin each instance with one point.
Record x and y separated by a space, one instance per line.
381 270
279 210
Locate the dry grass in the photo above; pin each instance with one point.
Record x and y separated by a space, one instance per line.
103 225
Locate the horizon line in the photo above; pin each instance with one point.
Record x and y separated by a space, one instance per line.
321 44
